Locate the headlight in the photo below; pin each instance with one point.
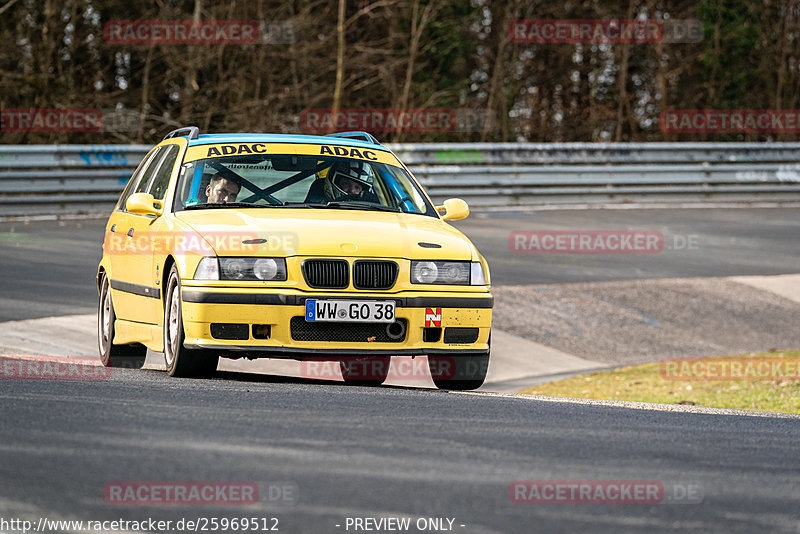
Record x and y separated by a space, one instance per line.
269 269
424 272
440 272
233 268
245 269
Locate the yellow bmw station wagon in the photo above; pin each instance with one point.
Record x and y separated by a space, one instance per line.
290 246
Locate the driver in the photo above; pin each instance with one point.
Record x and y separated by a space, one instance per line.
343 181
221 190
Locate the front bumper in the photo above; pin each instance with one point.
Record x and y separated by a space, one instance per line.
469 313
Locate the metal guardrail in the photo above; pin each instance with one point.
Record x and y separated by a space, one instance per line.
518 174
44 179
594 153
64 179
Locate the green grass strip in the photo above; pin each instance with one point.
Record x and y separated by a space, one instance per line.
768 382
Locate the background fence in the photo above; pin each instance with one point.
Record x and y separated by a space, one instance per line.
74 179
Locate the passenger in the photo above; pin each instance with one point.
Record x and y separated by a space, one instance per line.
344 181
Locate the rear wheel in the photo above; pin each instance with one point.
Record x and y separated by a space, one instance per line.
459 373
130 356
180 360
365 371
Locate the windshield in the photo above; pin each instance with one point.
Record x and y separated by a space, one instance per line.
298 181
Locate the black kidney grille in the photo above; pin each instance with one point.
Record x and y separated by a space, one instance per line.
374 274
330 274
303 330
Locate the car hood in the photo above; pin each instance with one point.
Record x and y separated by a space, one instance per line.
328 232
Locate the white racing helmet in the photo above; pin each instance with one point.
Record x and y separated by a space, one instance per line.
340 172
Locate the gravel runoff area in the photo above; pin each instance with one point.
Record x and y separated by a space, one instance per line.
633 322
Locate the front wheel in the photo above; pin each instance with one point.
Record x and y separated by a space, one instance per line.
365 371
131 356
459 373
180 360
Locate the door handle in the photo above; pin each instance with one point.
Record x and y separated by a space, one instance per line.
130 232
113 227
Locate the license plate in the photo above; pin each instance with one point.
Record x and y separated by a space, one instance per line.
351 311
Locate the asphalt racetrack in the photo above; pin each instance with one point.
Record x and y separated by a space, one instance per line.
325 455
352 452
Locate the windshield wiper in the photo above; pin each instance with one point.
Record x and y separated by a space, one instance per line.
230 205
304 205
362 206
354 205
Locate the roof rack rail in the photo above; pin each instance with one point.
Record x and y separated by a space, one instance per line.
194 131
364 136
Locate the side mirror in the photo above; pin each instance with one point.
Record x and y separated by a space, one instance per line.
143 204
453 209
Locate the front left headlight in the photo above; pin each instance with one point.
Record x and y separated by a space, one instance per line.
244 269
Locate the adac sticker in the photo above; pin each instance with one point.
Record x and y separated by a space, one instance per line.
433 317
231 150
225 149
348 152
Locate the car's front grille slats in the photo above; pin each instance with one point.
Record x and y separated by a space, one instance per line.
335 274
370 274
326 274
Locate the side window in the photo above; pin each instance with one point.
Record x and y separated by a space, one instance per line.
160 182
133 183
152 166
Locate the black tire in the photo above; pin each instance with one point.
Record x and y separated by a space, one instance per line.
458 373
181 362
371 371
126 356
